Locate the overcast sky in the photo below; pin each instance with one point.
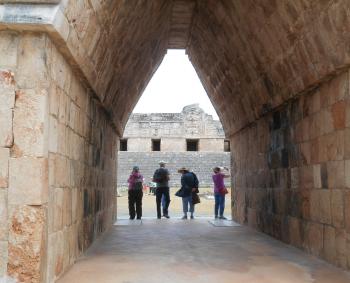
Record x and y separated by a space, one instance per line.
173 86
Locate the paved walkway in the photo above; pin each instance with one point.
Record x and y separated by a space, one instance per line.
167 251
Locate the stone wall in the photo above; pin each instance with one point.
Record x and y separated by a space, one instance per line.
291 172
56 147
82 166
200 162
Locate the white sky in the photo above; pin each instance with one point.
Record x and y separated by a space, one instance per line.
174 85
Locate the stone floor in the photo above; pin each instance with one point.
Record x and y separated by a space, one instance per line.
196 251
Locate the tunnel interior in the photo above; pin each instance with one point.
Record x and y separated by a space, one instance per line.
275 71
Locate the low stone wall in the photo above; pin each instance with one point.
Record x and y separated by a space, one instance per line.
199 162
291 173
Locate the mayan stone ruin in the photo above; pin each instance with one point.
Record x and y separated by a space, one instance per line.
190 138
71 72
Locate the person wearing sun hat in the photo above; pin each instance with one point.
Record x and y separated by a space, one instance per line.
161 177
189 184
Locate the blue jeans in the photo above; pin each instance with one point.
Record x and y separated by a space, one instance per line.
219 204
185 202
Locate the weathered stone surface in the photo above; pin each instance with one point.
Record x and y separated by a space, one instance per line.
31 71
26 243
3 258
3 216
8 49
6 135
4 167
30 123
28 181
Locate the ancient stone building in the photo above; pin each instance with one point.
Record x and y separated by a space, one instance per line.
71 72
190 138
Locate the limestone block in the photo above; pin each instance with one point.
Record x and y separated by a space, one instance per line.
347 174
337 203
30 123
4 167
347 120
330 251
26 242
53 134
74 207
7 90
347 210
317 176
62 139
6 134
335 145
58 209
314 238
3 215
326 123
336 174
3 257
31 70
295 232
347 144
338 115
28 181
67 207
340 242
54 99
325 212
55 255
8 49
64 107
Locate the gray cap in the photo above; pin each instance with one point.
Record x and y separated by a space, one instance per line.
162 162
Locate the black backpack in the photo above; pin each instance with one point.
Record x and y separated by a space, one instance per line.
161 175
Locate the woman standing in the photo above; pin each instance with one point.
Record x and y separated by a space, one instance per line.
135 193
219 191
189 184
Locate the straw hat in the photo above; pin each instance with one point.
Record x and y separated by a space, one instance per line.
183 169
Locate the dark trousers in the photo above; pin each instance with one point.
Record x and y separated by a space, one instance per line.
159 193
135 199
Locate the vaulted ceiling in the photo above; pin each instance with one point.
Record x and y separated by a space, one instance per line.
251 55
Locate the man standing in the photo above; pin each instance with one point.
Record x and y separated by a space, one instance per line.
161 177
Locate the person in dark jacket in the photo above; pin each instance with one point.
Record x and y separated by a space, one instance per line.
161 177
188 185
135 193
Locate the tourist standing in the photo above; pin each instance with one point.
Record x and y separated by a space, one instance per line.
135 193
161 177
220 191
189 185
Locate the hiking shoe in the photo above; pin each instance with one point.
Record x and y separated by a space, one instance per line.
192 217
166 216
223 217
216 217
184 217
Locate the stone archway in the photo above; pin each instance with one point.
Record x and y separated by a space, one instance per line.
71 72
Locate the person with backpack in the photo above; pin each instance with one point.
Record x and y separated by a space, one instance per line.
161 177
135 193
189 186
219 191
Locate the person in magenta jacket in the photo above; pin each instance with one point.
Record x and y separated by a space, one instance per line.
135 193
219 191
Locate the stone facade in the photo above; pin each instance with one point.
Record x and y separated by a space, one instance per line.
173 129
57 176
291 172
